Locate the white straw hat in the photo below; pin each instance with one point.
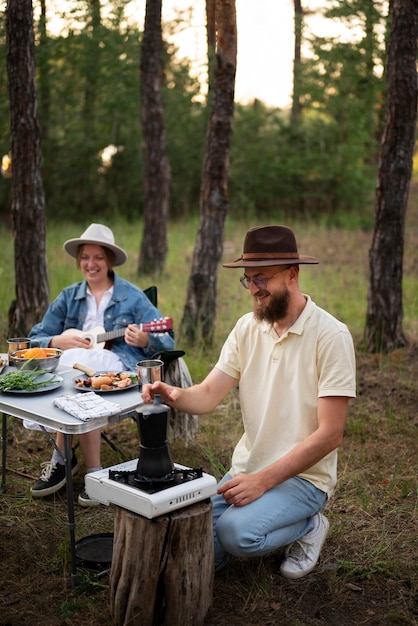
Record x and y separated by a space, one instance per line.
100 235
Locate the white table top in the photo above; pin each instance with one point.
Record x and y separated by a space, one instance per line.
39 407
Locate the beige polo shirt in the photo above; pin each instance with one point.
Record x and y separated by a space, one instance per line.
280 381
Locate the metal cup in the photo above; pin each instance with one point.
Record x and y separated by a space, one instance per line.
17 343
20 343
149 371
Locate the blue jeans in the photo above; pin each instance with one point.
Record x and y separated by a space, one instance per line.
279 517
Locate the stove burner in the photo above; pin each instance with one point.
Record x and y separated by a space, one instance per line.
150 485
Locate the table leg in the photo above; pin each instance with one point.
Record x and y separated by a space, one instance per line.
3 452
70 507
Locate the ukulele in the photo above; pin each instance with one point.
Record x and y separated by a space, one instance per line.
98 336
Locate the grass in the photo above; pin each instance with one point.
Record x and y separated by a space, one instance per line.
338 284
368 569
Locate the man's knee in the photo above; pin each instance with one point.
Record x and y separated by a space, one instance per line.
235 539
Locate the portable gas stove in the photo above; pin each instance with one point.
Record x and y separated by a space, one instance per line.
152 484
118 485
114 485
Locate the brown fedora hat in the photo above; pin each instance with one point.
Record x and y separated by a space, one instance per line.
270 245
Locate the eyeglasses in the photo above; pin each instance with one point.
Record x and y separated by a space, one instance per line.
261 283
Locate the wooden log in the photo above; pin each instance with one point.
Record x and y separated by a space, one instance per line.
163 568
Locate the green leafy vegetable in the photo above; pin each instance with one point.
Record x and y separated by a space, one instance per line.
24 380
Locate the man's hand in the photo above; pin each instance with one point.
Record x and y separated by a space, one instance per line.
197 399
242 489
168 394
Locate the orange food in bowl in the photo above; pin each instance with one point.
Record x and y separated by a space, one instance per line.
50 352
35 353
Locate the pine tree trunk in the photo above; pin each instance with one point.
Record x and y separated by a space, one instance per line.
156 167
200 310
28 201
296 113
383 331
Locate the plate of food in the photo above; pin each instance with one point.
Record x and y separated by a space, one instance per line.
3 362
106 382
29 381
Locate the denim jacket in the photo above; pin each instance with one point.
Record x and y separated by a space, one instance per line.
128 305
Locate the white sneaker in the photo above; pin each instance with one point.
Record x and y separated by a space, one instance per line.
302 555
85 500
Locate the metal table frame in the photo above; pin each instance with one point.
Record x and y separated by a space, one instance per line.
39 408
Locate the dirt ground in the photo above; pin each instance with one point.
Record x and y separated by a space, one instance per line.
367 572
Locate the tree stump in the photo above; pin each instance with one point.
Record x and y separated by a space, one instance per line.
163 568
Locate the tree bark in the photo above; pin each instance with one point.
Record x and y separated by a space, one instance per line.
156 167
211 45
91 70
28 201
43 73
383 330
200 309
162 569
297 64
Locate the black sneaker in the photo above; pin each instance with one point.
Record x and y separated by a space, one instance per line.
52 478
85 500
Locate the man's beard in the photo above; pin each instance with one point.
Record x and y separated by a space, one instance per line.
275 310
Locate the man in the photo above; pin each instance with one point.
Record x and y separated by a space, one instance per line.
295 365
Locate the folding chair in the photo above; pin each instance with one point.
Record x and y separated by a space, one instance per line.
166 356
176 373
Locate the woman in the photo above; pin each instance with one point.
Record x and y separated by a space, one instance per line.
101 299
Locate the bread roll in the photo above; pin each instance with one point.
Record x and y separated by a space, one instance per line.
98 381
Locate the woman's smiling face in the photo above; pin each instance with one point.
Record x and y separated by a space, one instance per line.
93 263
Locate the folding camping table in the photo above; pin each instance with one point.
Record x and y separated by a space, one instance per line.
40 409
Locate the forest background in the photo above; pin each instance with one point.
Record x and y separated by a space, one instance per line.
312 166
88 95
